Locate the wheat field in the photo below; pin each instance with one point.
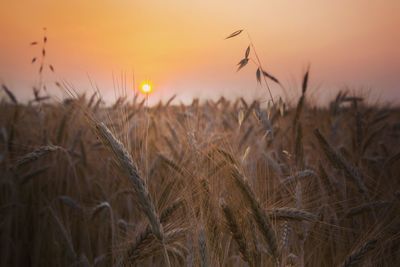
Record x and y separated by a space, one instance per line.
213 183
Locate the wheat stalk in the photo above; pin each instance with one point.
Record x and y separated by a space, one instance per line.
144 237
203 248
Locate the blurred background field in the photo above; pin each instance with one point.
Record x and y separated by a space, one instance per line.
233 183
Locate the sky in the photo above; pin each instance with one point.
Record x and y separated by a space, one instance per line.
179 45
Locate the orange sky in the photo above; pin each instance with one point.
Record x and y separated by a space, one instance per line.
180 46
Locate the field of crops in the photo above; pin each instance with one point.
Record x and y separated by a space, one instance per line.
213 183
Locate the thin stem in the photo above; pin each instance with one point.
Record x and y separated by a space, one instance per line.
260 66
147 139
166 257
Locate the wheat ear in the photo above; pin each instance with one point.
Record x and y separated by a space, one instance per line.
235 231
357 256
260 216
126 162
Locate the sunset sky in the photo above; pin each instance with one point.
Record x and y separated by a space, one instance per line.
179 45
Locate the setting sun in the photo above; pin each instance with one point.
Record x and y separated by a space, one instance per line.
146 87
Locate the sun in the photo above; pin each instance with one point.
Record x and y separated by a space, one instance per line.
146 87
